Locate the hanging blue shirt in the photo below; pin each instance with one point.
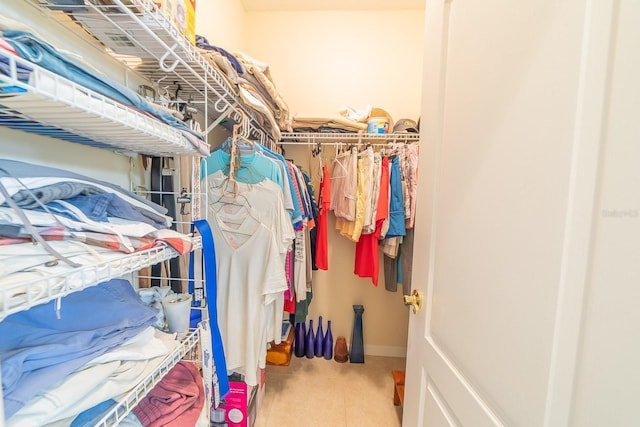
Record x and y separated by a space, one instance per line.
252 169
296 214
396 202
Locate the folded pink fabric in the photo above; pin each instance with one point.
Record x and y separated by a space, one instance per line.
176 400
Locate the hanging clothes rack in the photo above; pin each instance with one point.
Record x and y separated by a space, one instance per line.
311 138
331 144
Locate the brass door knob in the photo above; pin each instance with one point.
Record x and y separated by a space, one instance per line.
414 300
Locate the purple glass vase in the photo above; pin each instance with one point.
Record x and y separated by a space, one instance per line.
310 341
328 343
299 341
319 343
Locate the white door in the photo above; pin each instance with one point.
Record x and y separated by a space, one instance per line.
528 231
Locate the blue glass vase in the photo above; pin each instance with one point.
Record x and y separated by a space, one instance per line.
327 350
357 341
319 343
310 342
299 341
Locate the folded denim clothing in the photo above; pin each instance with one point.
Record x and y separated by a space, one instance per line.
14 185
22 72
105 377
28 199
100 207
90 417
45 55
39 349
17 169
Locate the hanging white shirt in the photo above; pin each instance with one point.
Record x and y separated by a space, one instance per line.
265 198
250 277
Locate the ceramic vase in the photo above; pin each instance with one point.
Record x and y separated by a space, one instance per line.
310 342
327 350
341 353
319 343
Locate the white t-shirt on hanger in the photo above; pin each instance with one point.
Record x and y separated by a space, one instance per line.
264 197
250 278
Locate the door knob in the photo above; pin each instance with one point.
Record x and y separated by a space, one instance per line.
414 300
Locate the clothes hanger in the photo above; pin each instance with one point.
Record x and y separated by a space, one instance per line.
242 144
236 219
225 199
320 164
232 160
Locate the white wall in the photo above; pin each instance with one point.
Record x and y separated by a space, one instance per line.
321 60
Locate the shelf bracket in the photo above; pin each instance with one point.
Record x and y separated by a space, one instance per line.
170 68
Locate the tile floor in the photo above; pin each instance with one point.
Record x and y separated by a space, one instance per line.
323 393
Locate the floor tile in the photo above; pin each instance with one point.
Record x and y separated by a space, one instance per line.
317 392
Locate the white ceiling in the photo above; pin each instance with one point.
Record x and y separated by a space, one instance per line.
273 5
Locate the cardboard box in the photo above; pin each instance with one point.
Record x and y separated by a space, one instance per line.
183 15
181 12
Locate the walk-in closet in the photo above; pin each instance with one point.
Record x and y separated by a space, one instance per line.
197 203
259 213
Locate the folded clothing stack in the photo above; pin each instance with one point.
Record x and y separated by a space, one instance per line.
43 345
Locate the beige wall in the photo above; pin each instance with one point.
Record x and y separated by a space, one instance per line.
222 23
321 60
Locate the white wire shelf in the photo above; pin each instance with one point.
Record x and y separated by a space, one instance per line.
330 137
51 105
147 41
23 295
131 399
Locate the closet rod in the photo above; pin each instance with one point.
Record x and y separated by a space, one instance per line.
343 143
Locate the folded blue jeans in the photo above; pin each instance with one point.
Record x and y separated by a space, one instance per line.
99 207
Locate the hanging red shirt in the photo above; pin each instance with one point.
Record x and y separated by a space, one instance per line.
366 262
